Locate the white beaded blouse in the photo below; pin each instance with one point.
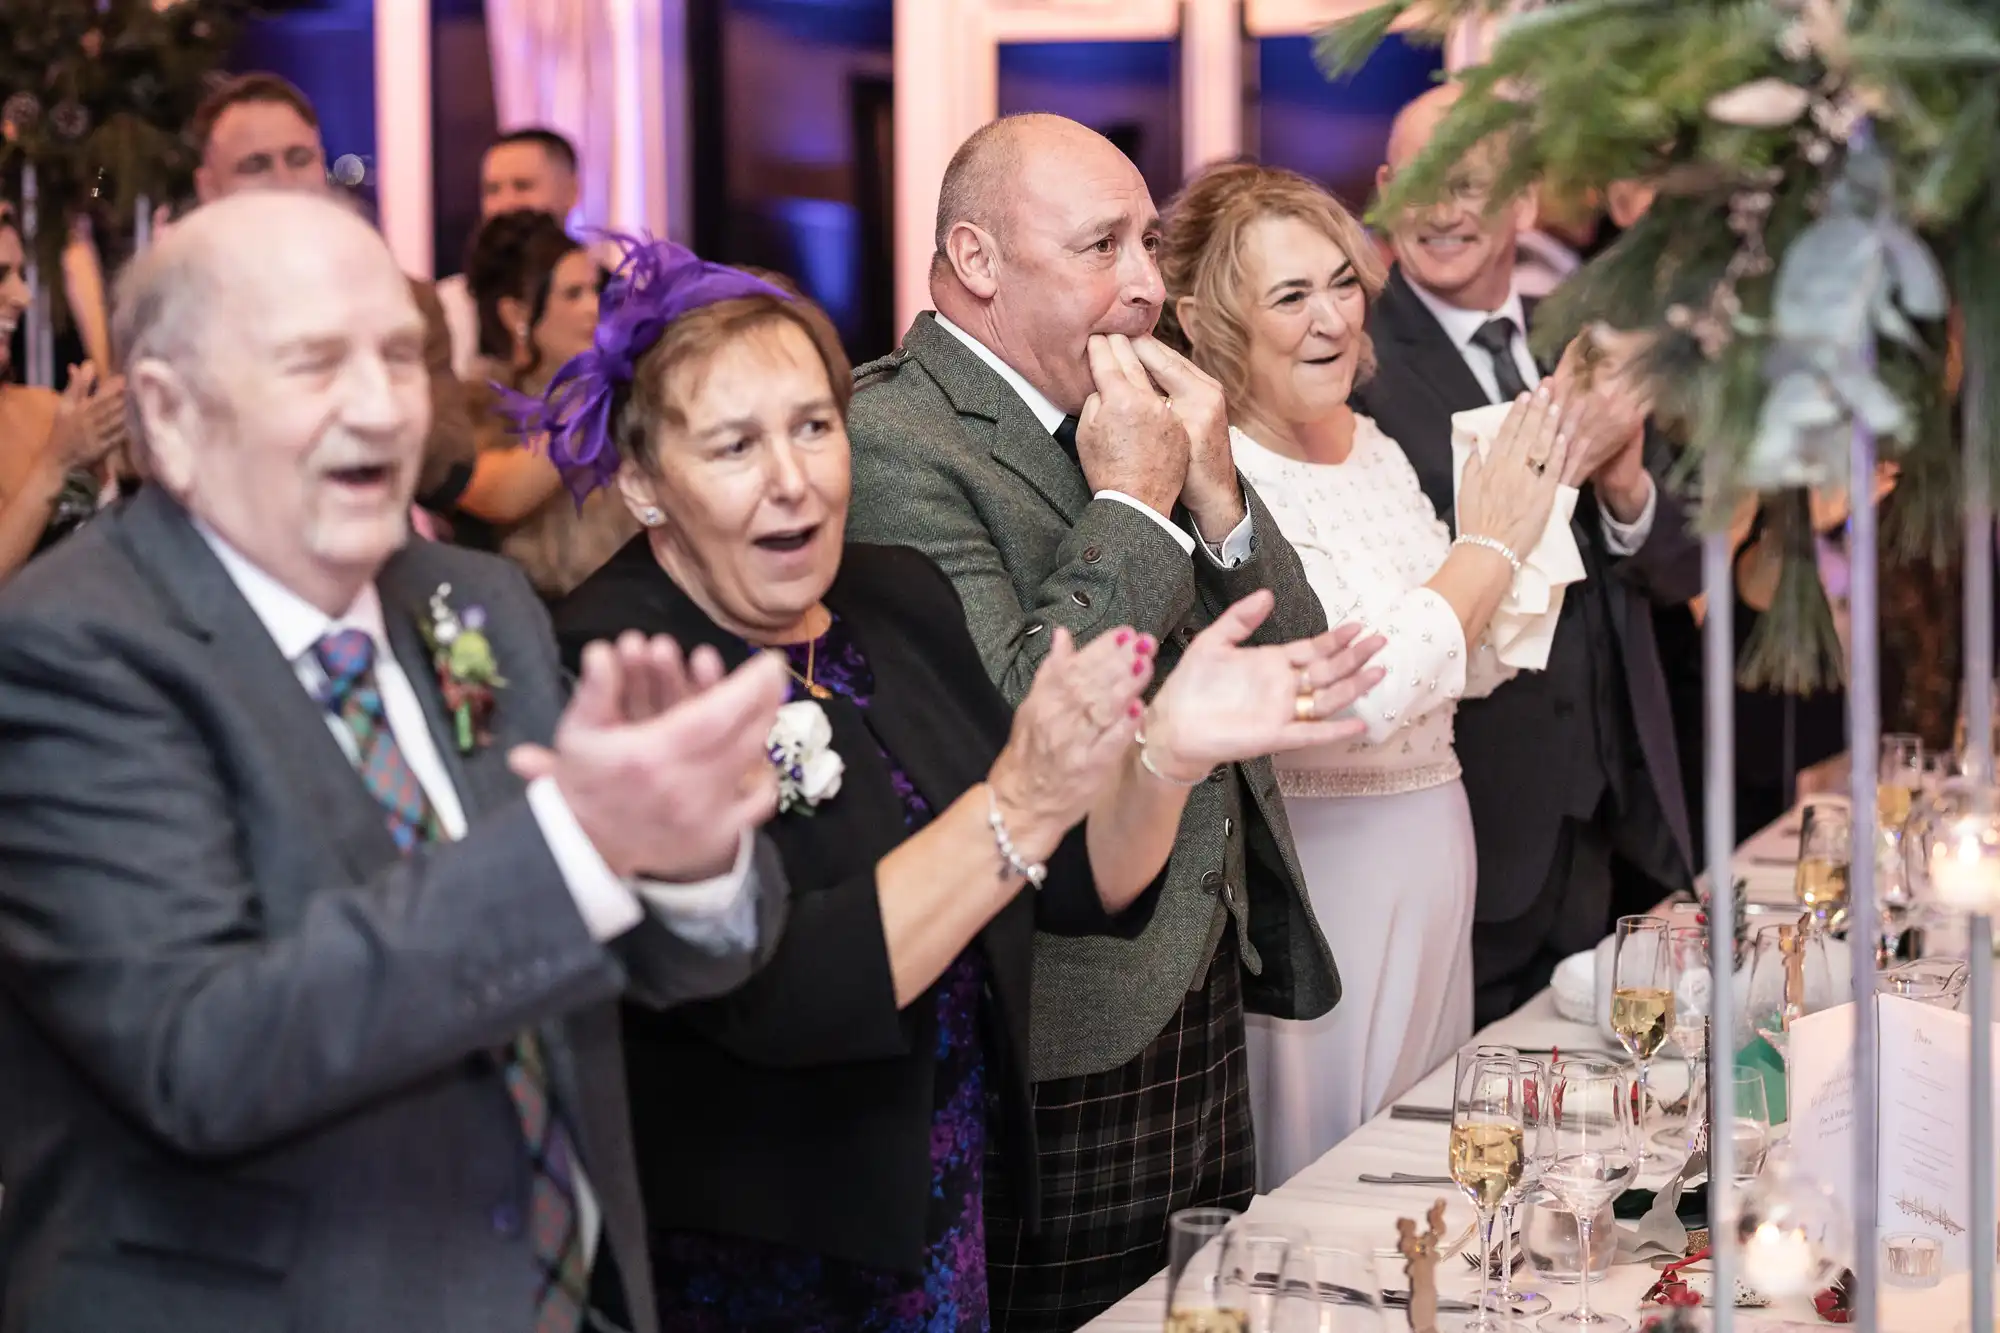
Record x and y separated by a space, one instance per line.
1369 540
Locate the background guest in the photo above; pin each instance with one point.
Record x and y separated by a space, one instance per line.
1269 280
259 132
1062 467
830 1173
1572 774
536 290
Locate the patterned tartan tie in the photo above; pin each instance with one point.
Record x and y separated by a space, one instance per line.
348 658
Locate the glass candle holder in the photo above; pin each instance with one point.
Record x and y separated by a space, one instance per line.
1951 847
1910 1259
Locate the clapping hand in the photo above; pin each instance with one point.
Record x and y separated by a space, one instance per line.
662 759
1074 728
1226 702
1506 495
89 421
1614 402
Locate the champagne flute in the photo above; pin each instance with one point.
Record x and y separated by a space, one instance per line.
1687 970
1203 1291
1825 850
1594 1155
1769 1010
1536 1101
1642 1003
1899 776
1486 1144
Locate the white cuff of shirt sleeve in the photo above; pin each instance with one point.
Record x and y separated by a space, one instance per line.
1627 538
711 913
1182 539
1235 548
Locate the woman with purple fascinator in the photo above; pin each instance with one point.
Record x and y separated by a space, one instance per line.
812 1148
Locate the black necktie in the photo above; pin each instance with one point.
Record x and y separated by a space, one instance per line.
1496 337
1065 433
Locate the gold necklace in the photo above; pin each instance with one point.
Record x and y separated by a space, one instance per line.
815 690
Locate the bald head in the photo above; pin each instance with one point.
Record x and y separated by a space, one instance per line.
1046 236
983 183
1417 122
225 257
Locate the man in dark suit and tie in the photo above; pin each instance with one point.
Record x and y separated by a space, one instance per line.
1571 772
315 899
1065 469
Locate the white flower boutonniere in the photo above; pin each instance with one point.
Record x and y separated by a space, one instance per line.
801 749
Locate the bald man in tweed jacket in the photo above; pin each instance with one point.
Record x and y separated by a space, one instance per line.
970 455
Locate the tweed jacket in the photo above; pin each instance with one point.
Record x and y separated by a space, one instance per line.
950 460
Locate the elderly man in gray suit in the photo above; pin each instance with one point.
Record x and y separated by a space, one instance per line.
314 897
1066 469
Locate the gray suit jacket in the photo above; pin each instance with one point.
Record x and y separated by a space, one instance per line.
948 459
248 1049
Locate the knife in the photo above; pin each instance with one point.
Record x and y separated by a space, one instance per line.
1440 1115
1404 1178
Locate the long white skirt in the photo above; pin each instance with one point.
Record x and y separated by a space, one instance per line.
1391 879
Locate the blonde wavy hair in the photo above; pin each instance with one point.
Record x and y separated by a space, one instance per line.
1201 257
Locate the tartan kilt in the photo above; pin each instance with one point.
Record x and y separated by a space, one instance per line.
1119 1152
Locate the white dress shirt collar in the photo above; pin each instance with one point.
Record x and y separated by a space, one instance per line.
1045 411
1460 324
295 624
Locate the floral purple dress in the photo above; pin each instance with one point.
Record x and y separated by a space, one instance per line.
709 1284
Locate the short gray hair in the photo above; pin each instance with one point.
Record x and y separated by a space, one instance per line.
161 311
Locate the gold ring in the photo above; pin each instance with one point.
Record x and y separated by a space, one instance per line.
1304 709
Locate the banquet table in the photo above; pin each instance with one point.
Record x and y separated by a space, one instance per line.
1328 1199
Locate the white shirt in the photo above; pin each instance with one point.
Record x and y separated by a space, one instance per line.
1460 324
1233 549
716 912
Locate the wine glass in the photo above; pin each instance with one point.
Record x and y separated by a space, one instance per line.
1769 1009
1594 1154
1204 1294
1260 1257
1331 1289
1486 1134
1825 850
1536 1100
1642 1001
1751 1128
1687 972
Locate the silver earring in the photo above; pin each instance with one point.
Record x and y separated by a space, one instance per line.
651 517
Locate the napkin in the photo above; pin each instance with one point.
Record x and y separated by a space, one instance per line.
1524 626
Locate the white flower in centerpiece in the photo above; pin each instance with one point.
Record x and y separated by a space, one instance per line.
800 747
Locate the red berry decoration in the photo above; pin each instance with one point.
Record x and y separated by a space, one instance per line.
1836 1303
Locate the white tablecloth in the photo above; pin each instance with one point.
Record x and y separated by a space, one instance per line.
1329 1200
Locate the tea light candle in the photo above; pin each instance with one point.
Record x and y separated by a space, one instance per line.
1964 872
1913 1260
1779 1261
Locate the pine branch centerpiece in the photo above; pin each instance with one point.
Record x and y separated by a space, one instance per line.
96 96
1825 180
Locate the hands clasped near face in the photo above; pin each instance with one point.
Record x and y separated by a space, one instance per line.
1157 429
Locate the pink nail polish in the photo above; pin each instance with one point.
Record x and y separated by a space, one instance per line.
1138 668
1136 709
1124 637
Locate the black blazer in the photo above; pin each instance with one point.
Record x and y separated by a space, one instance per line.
799 1110
1535 724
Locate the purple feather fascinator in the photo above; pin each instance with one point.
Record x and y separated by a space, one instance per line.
655 284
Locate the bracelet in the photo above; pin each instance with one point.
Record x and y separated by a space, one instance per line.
1146 762
1032 871
1491 544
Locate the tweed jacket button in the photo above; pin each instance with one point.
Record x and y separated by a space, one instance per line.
1092 554
1218 773
1211 881
1080 597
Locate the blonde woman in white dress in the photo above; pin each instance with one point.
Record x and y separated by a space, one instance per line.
1269 281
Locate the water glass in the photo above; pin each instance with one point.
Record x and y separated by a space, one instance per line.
1203 1294
1594 1157
1331 1289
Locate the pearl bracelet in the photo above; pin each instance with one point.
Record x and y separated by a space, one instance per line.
1032 871
1491 544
